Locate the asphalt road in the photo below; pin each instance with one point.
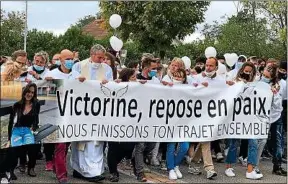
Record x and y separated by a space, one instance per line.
159 176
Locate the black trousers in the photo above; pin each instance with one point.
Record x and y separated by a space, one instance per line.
20 152
48 151
215 145
7 160
244 148
116 152
163 149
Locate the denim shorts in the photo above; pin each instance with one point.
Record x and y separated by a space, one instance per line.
21 136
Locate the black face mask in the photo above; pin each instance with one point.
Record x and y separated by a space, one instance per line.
282 75
245 76
261 68
198 69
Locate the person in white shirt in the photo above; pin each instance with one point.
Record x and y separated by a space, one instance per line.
269 76
232 74
62 72
38 70
175 64
208 78
87 159
282 75
247 73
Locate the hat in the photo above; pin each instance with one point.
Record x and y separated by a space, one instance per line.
283 65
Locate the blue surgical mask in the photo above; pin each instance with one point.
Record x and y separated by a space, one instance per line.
58 62
69 64
153 73
38 68
265 79
239 65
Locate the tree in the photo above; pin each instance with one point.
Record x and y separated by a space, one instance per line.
40 40
275 13
12 32
155 24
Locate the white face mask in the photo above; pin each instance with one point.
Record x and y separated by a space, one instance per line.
177 82
96 65
210 74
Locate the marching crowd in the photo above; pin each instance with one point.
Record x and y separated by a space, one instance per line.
90 159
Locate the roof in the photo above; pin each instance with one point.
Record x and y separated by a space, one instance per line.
96 29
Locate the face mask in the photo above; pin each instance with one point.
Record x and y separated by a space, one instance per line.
245 76
38 68
96 65
58 62
210 74
68 64
152 73
261 68
239 65
177 82
265 79
282 75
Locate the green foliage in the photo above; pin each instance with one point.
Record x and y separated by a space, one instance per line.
85 21
12 32
155 24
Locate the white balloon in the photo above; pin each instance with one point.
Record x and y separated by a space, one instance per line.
210 52
115 21
230 59
116 43
234 57
187 62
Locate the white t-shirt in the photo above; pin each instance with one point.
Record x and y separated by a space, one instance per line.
32 78
57 74
232 75
216 81
283 89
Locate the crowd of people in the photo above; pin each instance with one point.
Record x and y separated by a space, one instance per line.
88 159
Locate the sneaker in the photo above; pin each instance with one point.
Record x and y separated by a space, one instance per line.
188 160
211 174
253 175
178 173
49 166
245 162
194 170
199 161
172 175
219 157
114 177
257 170
279 171
4 180
141 177
163 165
284 160
154 162
230 172
242 161
226 152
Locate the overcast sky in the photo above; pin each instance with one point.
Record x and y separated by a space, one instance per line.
57 16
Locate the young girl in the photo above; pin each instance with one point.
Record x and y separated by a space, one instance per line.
174 160
246 73
269 76
21 136
119 150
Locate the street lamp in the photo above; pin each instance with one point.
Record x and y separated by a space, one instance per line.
25 30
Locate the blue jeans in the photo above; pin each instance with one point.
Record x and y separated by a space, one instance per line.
21 136
173 159
252 151
276 139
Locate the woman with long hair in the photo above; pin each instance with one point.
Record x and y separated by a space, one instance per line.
270 77
24 119
246 73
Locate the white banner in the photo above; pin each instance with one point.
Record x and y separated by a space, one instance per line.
156 113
